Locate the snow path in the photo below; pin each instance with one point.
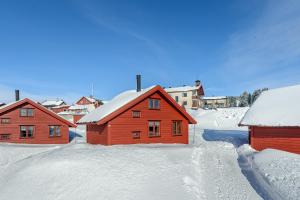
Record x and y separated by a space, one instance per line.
220 172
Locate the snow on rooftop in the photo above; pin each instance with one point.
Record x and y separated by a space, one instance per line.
88 107
53 102
276 107
9 104
214 98
182 89
91 99
113 105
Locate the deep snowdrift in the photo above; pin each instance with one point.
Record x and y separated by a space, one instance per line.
281 170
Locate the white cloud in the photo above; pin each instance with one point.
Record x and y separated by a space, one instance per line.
269 47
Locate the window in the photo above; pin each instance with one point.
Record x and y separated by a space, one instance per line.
4 136
184 103
136 114
154 104
184 94
176 127
26 112
26 131
194 92
136 134
5 121
154 128
176 99
54 131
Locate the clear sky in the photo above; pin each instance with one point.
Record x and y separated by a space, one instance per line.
59 48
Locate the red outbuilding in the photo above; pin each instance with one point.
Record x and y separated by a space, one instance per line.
274 120
26 121
138 116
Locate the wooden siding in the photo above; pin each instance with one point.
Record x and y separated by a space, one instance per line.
41 122
96 134
83 101
119 130
286 139
76 118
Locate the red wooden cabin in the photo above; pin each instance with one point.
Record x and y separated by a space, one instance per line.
25 121
147 116
274 120
88 100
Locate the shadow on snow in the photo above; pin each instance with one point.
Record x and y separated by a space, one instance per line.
238 138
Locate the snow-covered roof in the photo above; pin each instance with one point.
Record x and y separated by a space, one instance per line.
276 107
91 99
53 103
214 98
113 105
61 106
182 89
9 104
88 107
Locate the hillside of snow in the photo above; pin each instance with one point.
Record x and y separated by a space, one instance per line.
220 119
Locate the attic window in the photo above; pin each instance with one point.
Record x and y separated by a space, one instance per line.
136 114
154 104
26 112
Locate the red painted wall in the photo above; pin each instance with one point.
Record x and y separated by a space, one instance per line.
77 117
83 101
119 130
40 121
287 139
96 134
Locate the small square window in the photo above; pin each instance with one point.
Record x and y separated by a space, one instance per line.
136 114
184 94
154 104
136 134
5 121
23 112
176 99
54 131
5 136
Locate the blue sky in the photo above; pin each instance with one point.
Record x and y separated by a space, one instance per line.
59 48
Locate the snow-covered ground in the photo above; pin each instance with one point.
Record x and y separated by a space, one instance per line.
220 119
217 164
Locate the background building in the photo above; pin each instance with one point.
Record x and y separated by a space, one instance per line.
187 96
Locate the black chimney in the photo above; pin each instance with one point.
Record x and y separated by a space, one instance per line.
138 83
17 93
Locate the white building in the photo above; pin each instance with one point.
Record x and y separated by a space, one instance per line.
215 102
187 96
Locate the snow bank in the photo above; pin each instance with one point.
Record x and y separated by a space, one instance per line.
281 170
220 119
84 171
